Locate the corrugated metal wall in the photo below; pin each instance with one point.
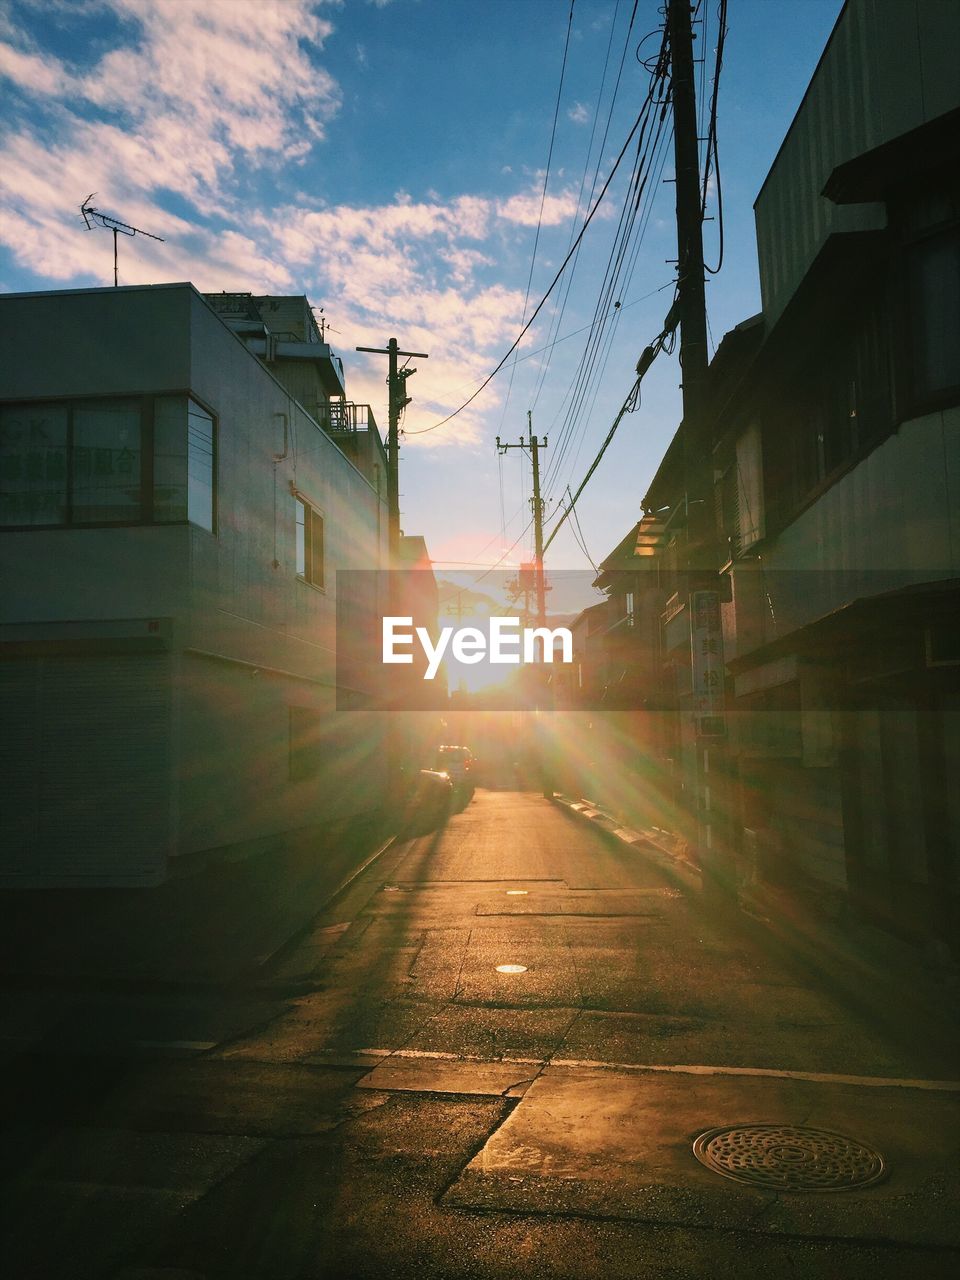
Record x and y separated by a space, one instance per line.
889 67
85 759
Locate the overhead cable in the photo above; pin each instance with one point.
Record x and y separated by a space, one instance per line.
543 197
553 284
630 405
711 147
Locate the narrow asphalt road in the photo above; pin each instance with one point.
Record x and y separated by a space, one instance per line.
507 1035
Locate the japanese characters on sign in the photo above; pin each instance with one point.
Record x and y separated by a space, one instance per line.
706 663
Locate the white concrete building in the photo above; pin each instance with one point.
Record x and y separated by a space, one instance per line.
173 520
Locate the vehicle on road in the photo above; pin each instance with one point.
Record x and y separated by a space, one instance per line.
429 801
458 763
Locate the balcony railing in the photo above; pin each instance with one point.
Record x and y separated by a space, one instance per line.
343 415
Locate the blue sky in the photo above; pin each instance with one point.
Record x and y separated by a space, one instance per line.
387 158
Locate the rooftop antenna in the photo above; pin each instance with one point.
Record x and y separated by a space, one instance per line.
94 218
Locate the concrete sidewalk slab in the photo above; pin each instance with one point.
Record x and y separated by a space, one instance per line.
619 1144
447 1073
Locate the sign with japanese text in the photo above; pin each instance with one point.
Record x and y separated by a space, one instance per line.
706 663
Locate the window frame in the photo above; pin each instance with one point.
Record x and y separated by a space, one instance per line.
912 400
146 402
312 514
828 409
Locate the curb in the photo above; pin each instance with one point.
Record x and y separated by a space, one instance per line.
290 945
644 841
251 978
868 980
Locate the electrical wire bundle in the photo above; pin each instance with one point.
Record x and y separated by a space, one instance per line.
653 136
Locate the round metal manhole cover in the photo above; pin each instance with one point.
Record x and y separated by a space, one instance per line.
777 1157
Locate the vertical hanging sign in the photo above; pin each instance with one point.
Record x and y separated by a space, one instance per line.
706 663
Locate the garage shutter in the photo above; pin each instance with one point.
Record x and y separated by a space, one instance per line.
87 747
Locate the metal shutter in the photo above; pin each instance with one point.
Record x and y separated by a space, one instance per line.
92 801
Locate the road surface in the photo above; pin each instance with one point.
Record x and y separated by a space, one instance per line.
490 1057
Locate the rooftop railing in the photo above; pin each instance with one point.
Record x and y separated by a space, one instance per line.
344 415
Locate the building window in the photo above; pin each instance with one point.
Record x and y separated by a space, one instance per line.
33 464
838 408
309 542
629 608
106 462
184 462
933 274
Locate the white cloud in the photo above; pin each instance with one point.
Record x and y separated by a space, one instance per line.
525 209
204 85
201 93
38 74
578 113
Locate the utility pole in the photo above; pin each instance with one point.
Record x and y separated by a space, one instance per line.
533 445
537 521
703 599
692 305
456 611
398 400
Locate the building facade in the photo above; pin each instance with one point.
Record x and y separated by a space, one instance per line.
836 424
173 519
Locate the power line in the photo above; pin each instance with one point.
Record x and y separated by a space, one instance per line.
712 149
513 346
499 562
568 283
632 402
543 197
609 287
598 371
574 333
586 378
578 533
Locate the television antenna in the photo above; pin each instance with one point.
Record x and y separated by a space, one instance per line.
94 218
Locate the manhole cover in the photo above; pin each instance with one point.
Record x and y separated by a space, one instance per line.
781 1157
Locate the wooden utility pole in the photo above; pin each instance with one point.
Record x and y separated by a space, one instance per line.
691 293
703 599
537 521
533 445
398 400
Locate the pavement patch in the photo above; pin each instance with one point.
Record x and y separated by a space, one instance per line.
592 1141
441 1074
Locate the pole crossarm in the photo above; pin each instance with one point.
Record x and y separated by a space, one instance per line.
385 351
